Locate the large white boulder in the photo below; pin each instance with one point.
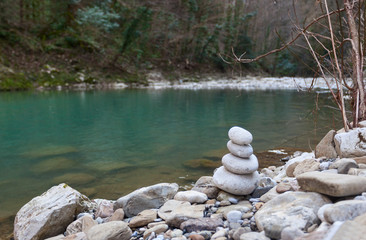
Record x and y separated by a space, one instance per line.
290 209
49 214
234 183
351 144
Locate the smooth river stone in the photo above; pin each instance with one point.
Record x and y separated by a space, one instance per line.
239 165
240 136
243 151
336 185
234 183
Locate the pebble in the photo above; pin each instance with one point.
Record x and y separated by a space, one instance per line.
233 200
234 216
99 220
254 200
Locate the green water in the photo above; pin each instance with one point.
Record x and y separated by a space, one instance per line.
108 143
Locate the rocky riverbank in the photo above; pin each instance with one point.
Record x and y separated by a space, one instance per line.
156 80
313 196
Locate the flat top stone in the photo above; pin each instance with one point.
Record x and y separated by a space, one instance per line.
336 185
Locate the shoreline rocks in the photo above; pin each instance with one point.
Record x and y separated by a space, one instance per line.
321 202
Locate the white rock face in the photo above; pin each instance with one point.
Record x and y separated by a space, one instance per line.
49 214
351 144
234 183
191 196
243 151
240 136
290 209
239 165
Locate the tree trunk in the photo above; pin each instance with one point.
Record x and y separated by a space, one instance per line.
359 108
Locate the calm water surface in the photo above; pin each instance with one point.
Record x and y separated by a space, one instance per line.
108 143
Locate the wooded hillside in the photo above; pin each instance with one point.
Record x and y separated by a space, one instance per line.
127 38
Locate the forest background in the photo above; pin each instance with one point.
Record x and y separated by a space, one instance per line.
52 42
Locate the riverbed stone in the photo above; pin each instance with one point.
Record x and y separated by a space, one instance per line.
234 216
191 196
116 230
292 163
290 209
201 224
242 206
157 230
146 198
351 144
118 215
253 236
345 210
239 165
49 214
343 165
242 151
206 185
234 183
104 209
269 195
352 230
308 165
326 147
143 218
336 185
82 224
175 212
240 136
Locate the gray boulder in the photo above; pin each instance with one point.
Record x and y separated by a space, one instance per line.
49 214
290 209
146 198
351 144
336 185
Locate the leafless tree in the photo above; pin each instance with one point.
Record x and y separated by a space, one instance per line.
337 46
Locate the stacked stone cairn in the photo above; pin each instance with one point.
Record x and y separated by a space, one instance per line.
238 175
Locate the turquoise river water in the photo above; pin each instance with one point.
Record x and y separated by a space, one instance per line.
108 143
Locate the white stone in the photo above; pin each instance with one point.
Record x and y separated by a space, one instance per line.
191 196
234 183
234 216
243 151
49 214
351 144
239 165
240 136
